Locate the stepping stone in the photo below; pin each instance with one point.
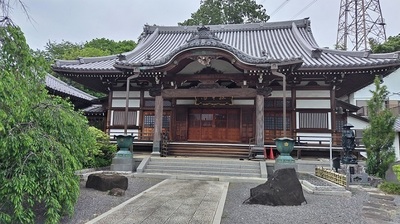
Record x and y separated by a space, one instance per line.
382 196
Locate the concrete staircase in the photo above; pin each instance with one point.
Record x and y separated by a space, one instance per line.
202 168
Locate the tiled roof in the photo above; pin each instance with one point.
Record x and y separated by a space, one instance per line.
251 43
95 109
60 86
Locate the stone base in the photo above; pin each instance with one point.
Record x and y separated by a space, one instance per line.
279 166
122 164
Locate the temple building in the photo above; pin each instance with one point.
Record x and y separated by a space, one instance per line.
229 84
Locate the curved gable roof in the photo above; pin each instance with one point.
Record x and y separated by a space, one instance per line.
258 42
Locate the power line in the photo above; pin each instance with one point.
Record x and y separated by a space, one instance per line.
279 7
305 8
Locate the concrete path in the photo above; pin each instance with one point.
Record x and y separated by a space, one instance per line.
171 201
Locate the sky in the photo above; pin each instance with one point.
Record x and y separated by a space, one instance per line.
79 21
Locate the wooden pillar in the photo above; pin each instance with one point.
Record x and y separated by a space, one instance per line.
260 120
158 114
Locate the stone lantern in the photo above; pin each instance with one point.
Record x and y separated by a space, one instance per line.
348 144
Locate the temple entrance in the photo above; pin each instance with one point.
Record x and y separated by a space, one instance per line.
214 125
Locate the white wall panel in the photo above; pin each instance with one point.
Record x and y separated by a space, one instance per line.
280 94
122 94
185 102
357 123
243 102
313 104
314 138
313 93
122 103
147 94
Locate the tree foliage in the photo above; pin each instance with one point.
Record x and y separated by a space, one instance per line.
67 50
378 137
43 141
392 44
213 12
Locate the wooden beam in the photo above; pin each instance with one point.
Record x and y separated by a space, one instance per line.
220 92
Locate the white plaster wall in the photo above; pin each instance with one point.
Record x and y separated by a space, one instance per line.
392 82
314 138
314 93
185 102
280 94
242 102
316 104
122 94
358 124
122 103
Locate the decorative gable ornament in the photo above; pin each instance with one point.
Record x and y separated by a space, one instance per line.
203 33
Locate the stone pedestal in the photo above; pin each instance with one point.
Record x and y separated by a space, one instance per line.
123 160
279 166
122 164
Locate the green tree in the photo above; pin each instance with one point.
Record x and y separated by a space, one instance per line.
67 50
378 137
213 12
391 45
43 141
111 46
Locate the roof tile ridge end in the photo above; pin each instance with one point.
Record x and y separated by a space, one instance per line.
304 43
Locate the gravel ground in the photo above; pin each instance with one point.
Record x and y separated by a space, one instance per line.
319 208
92 203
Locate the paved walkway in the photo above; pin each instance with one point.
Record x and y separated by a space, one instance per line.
171 201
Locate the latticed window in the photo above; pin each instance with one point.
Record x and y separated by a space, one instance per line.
275 122
119 118
149 121
313 120
277 103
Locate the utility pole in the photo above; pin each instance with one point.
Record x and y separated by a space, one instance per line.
360 21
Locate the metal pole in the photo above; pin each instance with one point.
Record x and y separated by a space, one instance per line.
330 153
127 102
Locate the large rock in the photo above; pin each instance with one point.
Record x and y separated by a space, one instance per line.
390 175
283 188
105 182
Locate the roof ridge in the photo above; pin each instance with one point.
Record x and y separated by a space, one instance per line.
363 54
229 27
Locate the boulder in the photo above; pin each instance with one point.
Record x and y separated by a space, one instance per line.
105 182
117 192
283 188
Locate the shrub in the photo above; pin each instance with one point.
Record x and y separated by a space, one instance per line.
396 170
390 188
102 152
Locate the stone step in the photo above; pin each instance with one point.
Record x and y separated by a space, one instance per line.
205 162
201 166
204 168
227 166
193 172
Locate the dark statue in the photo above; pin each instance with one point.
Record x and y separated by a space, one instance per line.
348 144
